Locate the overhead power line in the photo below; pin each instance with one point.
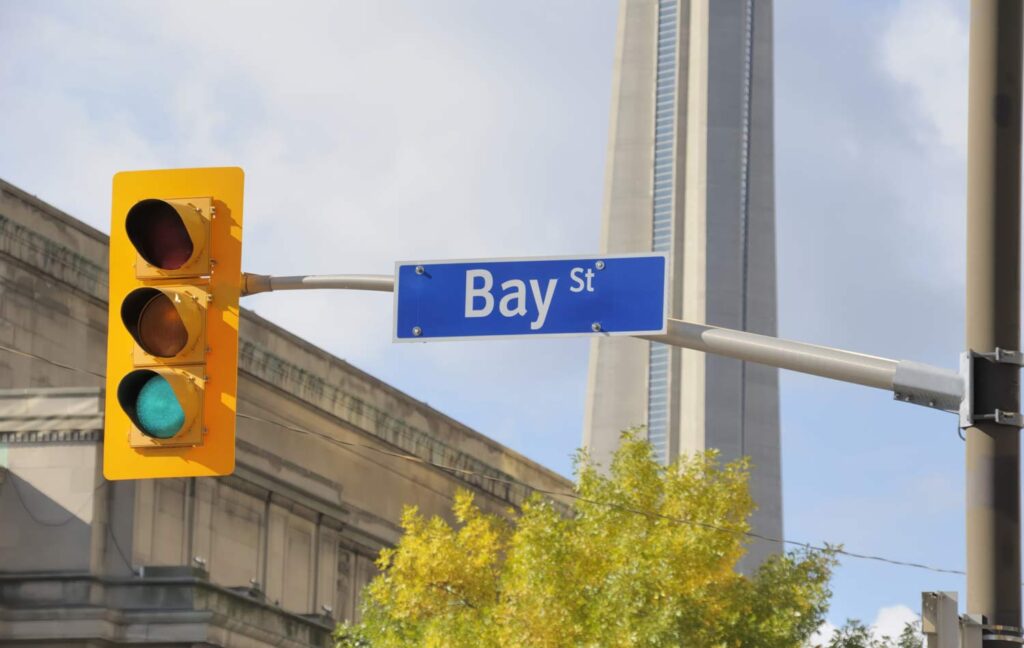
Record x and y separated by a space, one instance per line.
26 354
621 507
551 493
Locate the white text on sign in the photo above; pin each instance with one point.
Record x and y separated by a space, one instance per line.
513 302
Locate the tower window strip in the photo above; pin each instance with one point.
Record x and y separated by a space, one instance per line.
745 201
661 213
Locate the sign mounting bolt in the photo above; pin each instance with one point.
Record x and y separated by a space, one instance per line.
417 331
596 327
420 270
599 265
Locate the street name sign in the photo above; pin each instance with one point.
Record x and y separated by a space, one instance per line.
597 295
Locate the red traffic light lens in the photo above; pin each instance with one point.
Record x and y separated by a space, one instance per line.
154 322
156 230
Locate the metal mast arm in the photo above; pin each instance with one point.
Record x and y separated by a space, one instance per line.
256 283
910 381
848 366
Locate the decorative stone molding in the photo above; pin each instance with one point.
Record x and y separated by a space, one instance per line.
51 436
50 258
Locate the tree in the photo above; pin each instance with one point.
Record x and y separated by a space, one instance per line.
854 634
910 637
646 558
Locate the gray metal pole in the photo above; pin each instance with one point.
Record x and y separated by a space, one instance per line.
993 310
848 366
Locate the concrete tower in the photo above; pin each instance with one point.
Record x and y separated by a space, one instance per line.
690 172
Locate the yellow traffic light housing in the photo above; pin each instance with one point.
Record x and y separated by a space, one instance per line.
172 344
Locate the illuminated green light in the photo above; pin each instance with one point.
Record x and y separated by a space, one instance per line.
157 409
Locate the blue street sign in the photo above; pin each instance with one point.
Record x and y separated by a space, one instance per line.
600 295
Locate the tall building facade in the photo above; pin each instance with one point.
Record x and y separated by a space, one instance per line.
690 172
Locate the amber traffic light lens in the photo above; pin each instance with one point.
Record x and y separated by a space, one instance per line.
161 331
156 230
152 319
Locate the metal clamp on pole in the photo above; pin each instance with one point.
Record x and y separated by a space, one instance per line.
1007 633
968 415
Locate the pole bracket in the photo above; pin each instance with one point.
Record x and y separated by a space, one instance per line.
928 386
968 416
1003 356
1013 419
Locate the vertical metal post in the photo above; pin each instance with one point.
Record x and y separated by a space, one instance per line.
940 622
993 310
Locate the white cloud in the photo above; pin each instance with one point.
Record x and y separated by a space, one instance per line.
822 635
369 133
924 47
871 172
891 620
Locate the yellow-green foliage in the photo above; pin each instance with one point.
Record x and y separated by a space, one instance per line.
647 559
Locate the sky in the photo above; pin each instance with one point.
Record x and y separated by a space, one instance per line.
373 132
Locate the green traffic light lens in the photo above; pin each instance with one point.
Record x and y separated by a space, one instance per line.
150 402
158 409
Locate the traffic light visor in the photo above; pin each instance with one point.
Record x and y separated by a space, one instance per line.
164 233
153 403
163 322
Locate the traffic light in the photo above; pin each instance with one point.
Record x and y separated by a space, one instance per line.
172 334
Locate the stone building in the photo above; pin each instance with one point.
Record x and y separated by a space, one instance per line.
273 555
